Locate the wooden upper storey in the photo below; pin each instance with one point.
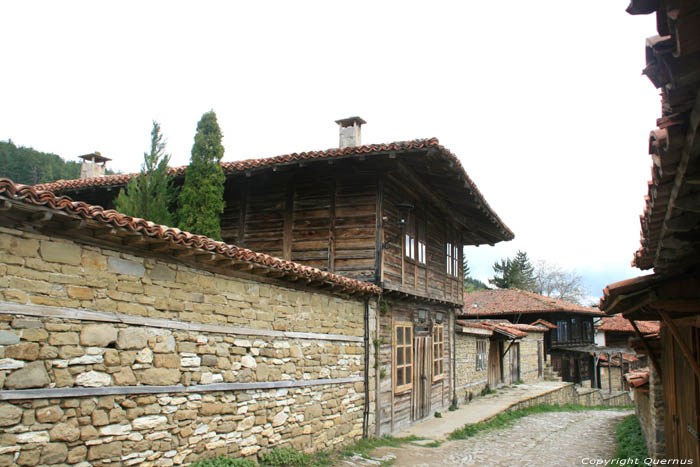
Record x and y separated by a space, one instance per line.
338 210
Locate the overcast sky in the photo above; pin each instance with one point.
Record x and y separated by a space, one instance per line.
543 101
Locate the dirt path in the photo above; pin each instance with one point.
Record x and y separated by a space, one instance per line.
549 439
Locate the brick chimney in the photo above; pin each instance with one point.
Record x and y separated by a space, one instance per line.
350 131
93 165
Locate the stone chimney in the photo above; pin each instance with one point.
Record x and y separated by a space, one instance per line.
93 165
350 131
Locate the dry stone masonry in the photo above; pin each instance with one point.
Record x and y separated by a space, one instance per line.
110 358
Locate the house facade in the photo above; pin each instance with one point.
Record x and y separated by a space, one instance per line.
569 336
394 215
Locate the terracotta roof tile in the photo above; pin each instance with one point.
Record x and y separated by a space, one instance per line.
505 327
336 153
638 378
494 302
621 324
17 193
546 324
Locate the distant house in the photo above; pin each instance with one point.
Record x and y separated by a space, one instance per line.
395 215
569 336
617 331
496 352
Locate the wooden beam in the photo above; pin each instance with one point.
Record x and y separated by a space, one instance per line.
652 357
42 311
5 205
677 306
43 216
54 393
688 203
684 347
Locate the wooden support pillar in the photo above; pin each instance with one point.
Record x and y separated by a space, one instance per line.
609 372
595 382
684 347
622 372
652 357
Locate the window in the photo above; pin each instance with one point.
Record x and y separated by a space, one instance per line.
438 351
481 355
403 355
452 261
414 239
420 229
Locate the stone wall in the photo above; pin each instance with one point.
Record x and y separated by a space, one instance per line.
615 378
568 394
108 357
649 407
529 357
469 379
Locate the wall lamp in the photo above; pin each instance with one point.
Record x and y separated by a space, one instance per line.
439 317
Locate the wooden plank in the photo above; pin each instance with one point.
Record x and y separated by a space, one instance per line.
331 227
288 220
7 308
52 393
684 347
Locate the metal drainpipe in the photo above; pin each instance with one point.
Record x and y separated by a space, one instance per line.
365 415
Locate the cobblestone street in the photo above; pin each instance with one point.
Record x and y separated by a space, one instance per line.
549 439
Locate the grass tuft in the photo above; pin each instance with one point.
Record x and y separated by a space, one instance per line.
505 419
630 441
224 461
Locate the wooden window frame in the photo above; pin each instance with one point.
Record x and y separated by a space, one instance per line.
438 352
481 356
415 240
407 349
452 259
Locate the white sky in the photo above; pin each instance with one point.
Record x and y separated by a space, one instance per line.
543 101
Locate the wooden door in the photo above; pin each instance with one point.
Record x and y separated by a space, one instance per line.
422 376
495 364
514 363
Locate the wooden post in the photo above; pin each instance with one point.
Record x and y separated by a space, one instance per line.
622 372
652 357
609 373
684 347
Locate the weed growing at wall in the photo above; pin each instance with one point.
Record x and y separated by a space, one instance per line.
630 441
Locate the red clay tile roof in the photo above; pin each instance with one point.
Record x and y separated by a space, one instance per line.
495 302
529 327
17 193
620 324
502 326
672 67
546 324
638 378
336 153
628 357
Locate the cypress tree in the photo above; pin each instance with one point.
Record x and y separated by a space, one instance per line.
202 195
147 195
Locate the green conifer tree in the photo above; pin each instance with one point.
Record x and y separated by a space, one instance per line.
147 195
202 195
515 272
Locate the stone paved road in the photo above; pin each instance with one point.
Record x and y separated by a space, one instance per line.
552 439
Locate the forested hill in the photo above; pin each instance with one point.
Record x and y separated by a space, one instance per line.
27 166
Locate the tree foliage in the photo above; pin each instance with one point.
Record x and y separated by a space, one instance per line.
30 167
471 284
201 198
516 272
554 281
147 195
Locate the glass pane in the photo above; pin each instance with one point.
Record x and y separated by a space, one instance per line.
399 336
399 356
435 369
408 355
408 375
408 335
408 243
399 376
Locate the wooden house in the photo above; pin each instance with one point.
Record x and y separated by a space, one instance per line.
670 234
396 215
570 326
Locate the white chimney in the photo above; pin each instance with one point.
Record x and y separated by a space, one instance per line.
350 131
93 165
